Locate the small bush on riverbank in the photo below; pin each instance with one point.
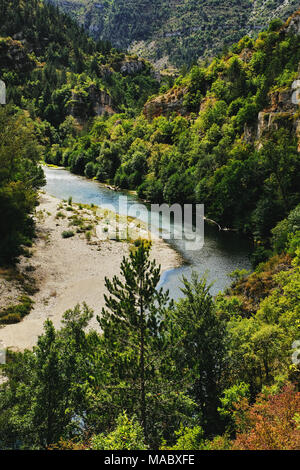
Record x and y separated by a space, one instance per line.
60 215
15 313
67 234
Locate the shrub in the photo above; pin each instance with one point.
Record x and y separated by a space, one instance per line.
270 423
67 234
128 435
90 170
15 313
88 236
10 319
187 439
288 226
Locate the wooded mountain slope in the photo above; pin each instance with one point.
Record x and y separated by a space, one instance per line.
178 31
57 78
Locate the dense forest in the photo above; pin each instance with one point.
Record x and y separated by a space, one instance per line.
203 373
177 32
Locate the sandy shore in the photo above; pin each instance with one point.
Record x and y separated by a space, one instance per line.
68 271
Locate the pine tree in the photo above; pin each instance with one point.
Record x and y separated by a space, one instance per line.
48 388
132 322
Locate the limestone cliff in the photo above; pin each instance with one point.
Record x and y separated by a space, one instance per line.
83 103
128 66
175 32
164 105
14 56
282 109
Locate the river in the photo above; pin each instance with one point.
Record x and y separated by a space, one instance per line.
222 252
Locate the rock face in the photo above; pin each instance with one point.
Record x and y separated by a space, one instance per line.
166 104
293 26
131 67
101 101
13 56
272 121
181 31
2 92
126 67
281 108
297 125
283 111
95 100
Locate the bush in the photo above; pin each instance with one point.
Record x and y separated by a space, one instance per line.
90 170
188 439
269 424
15 313
128 435
67 234
88 236
151 190
284 228
10 319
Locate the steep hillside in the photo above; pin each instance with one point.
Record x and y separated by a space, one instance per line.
175 31
57 79
48 60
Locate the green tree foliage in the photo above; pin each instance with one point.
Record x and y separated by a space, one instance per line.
230 399
285 229
128 435
204 366
188 439
55 75
270 424
156 374
138 345
60 70
201 348
20 178
44 396
158 30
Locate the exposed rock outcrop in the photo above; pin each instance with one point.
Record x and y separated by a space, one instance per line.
166 104
125 67
283 111
101 101
293 24
130 67
14 56
272 121
175 30
93 99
